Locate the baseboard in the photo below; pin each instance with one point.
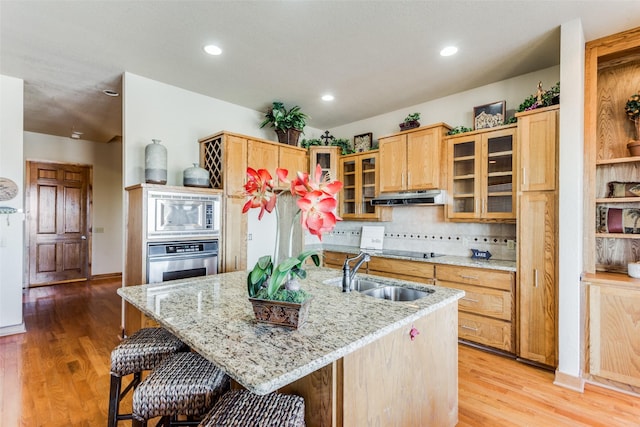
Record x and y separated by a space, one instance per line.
13 329
107 277
569 381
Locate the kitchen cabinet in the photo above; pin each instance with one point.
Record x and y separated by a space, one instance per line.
537 230
226 156
414 271
360 177
614 331
482 175
412 160
612 74
537 267
327 157
537 146
486 314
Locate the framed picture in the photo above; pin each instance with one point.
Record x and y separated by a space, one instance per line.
362 142
489 115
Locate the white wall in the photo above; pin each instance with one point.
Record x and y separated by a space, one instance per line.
154 110
457 109
11 225
106 159
571 173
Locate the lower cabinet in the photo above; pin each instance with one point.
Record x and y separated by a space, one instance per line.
486 314
614 334
487 311
414 271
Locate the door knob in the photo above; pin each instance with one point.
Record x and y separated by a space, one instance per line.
83 237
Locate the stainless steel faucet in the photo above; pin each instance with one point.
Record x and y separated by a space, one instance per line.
348 274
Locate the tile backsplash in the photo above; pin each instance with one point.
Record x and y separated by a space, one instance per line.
423 229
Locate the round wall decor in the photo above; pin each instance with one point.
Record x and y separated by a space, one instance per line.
8 189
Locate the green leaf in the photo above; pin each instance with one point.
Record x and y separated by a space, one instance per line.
264 261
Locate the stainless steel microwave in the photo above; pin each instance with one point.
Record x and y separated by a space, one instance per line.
178 215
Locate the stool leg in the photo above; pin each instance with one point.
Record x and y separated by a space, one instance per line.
114 400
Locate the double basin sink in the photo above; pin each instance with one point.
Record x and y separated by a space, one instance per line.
383 290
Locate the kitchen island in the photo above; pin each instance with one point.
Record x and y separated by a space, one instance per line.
353 361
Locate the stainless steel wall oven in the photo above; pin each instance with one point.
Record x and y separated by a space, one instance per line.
181 260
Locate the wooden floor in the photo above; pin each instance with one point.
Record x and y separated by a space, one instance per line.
57 374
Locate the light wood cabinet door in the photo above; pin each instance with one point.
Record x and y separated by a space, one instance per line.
537 136
424 159
327 158
360 177
481 175
293 159
235 165
537 277
393 163
614 333
262 155
234 251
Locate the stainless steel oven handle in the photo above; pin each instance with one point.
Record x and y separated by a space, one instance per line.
177 257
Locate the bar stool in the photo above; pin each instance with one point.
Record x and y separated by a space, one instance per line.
243 408
185 384
142 351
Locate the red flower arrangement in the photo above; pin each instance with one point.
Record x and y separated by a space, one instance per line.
317 204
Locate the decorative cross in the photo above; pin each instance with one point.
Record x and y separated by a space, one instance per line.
326 137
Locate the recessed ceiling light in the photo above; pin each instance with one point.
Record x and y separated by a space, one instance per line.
212 49
110 92
448 51
327 97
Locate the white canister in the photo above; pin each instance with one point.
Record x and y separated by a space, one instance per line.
633 269
155 163
195 176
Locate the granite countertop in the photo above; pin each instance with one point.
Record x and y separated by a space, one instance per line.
213 315
419 256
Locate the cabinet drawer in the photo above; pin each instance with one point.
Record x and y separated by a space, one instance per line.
476 276
483 330
486 301
334 259
402 268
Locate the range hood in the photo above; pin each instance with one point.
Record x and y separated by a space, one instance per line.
426 197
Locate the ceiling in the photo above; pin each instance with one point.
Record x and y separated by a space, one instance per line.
373 56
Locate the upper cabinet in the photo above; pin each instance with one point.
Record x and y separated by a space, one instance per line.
360 177
537 136
227 155
412 160
482 176
327 157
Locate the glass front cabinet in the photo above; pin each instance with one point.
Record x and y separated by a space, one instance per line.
481 175
359 173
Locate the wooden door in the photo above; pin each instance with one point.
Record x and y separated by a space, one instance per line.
464 177
423 159
393 163
235 165
537 135
294 160
59 240
262 155
537 272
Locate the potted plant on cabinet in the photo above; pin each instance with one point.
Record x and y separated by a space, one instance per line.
288 124
273 288
410 122
632 108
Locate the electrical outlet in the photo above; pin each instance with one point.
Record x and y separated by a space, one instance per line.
249 236
511 244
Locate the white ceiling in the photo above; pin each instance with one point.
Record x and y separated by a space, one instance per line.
374 56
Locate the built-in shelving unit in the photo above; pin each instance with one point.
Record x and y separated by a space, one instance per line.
612 298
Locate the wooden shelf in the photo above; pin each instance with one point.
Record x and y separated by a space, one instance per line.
607 278
472 176
494 174
501 154
617 236
618 161
618 200
464 158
